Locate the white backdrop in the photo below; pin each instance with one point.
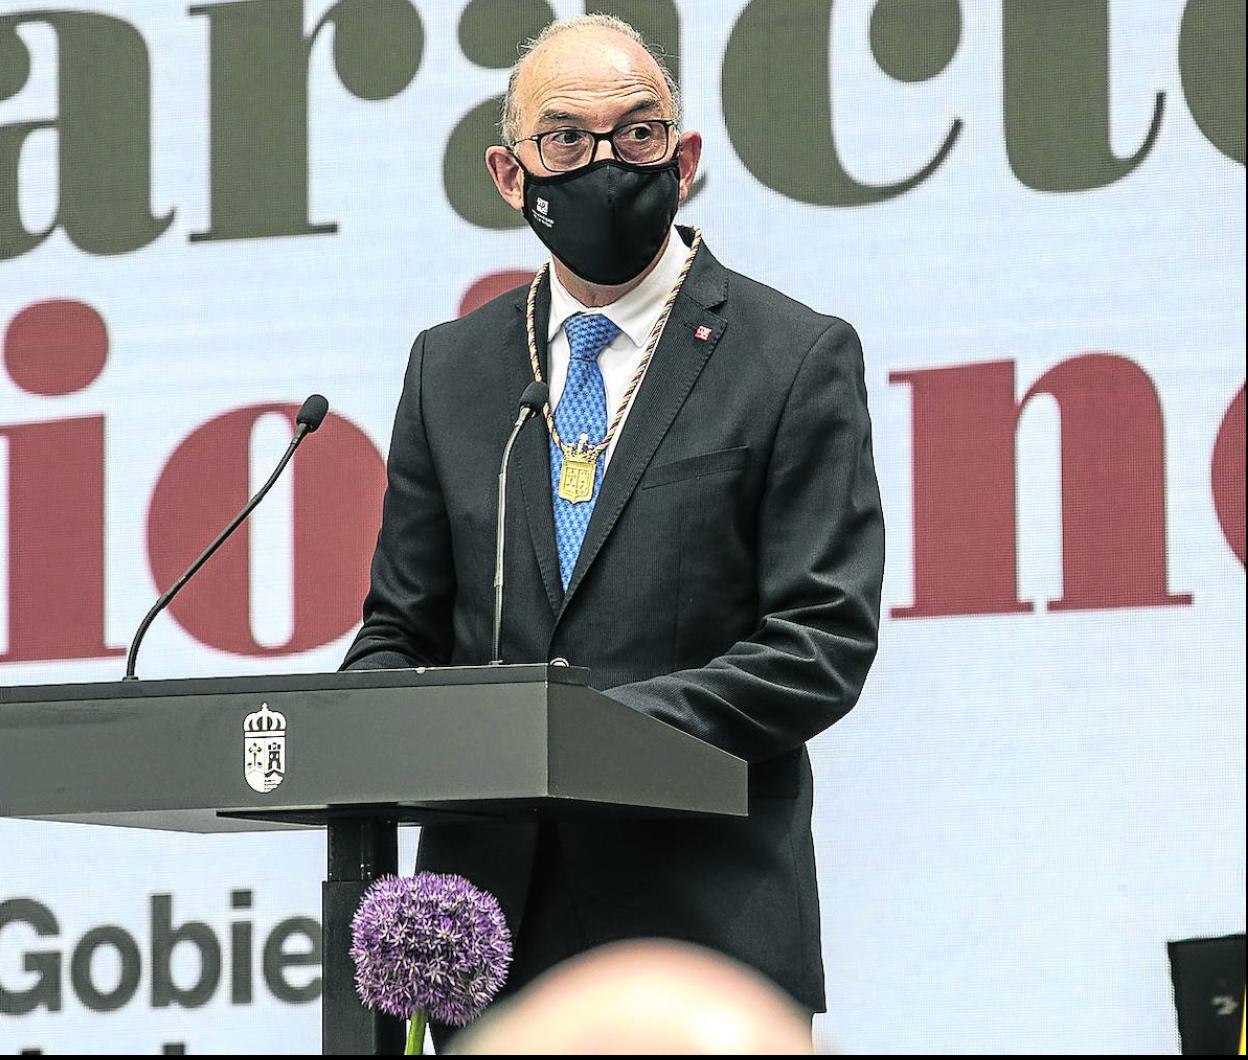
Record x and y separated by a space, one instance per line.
1024 808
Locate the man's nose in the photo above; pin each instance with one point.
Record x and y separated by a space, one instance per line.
603 149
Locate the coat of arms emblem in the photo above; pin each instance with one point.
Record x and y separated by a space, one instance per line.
264 749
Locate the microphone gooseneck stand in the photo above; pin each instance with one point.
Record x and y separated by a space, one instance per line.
532 401
308 419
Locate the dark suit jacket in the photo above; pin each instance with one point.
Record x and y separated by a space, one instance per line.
728 584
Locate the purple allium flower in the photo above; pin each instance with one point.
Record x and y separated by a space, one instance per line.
433 942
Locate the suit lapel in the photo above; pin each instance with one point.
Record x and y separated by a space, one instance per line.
689 338
532 452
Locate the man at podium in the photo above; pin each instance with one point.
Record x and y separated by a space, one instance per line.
695 519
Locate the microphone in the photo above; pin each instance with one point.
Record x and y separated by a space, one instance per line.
311 413
309 417
533 400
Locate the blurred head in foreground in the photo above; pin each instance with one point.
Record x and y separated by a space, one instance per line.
649 997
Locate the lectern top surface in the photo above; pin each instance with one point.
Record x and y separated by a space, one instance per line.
422 676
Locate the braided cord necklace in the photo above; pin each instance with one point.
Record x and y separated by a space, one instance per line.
576 480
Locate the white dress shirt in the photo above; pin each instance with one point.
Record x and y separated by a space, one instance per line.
634 314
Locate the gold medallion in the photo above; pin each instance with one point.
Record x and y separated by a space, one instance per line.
576 476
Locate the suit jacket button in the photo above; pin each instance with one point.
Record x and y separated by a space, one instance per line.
559 660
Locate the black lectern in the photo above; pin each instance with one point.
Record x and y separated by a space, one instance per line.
355 753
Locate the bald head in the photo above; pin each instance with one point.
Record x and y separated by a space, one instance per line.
580 59
645 997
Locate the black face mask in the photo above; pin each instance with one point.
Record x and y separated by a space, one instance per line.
606 221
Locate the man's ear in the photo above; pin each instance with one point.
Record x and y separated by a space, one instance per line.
690 148
507 175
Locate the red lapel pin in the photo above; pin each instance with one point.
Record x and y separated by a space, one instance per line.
702 334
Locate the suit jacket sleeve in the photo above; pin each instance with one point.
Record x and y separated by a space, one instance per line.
820 567
407 613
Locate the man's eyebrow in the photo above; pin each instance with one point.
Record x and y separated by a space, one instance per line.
646 106
556 116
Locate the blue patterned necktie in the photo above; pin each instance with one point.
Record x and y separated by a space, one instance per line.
582 410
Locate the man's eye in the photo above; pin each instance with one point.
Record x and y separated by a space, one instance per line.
639 133
566 137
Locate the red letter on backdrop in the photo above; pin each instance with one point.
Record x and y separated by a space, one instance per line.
965 546
56 490
1113 485
339 478
1228 475
1113 488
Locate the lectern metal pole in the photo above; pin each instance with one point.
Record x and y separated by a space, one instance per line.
359 849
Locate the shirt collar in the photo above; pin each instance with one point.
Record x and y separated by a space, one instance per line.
636 313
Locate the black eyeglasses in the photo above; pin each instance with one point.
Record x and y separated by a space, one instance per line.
638 142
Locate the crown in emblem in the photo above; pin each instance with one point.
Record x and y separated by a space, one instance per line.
265 720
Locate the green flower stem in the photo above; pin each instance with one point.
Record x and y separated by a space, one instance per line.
416 1033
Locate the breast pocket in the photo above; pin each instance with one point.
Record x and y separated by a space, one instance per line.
694 467
715 502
